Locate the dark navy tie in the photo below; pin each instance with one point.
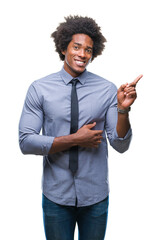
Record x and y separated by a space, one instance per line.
73 152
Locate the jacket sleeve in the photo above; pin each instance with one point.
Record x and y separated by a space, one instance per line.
31 121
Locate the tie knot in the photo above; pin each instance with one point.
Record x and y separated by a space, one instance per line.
74 82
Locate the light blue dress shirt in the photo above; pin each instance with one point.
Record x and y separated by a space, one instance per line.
48 107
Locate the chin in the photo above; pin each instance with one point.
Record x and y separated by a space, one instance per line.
76 70
79 70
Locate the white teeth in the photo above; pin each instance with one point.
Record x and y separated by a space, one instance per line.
79 61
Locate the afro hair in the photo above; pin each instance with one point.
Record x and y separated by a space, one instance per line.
74 25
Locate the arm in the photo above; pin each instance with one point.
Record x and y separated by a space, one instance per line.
126 95
30 140
114 120
84 137
123 124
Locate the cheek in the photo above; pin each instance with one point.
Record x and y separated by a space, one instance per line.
69 58
89 61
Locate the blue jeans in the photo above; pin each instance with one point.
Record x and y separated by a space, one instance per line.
60 221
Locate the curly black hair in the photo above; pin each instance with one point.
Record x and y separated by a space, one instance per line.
77 24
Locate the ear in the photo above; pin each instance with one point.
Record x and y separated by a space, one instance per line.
63 52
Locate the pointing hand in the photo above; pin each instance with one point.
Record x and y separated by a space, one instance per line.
126 94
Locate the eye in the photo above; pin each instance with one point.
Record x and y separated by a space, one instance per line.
75 47
89 51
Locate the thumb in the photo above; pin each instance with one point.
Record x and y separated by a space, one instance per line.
91 125
122 87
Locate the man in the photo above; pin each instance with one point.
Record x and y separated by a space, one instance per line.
77 110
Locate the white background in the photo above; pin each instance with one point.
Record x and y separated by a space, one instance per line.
27 53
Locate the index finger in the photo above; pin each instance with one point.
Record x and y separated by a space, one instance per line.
136 80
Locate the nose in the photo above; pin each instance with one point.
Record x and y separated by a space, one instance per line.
81 53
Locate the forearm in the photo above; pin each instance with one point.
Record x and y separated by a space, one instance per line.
63 143
123 124
84 137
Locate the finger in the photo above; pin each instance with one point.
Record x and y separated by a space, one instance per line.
98 138
122 87
129 89
95 146
136 80
98 142
91 125
132 94
97 132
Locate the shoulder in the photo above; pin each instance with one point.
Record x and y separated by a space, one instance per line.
45 82
38 87
47 79
92 77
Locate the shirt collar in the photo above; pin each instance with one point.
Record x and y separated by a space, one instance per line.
67 77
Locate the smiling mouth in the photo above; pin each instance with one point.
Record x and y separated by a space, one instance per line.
80 63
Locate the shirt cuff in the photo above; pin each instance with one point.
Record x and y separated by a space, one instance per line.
37 144
127 136
48 143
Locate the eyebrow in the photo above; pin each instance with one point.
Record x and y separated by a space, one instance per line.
79 44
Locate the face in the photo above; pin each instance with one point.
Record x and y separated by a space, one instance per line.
78 54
